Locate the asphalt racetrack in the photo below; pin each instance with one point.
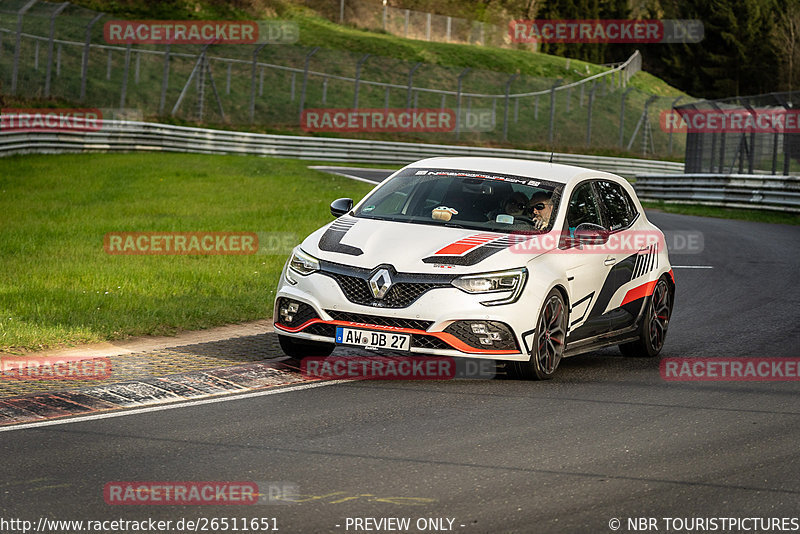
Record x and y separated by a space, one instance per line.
607 440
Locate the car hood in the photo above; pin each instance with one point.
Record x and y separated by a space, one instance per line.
419 248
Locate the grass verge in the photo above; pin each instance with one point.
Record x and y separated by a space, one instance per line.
57 284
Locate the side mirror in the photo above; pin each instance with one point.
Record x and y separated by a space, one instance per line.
591 234
340 206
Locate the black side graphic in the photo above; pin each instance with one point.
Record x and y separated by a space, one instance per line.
618 276
646 261
579 319
331 240
480 253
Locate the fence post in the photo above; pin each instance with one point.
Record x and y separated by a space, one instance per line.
124 92
449 22
228 78
458 100
201 85
428 28
385 8
622 117
674 102
50 44
253 82
536 108
505 111
18 44
108 66
305 79
359 64
569 97
136 69
405 29
410 83
551 130
85 58
164 81
324 91
589 115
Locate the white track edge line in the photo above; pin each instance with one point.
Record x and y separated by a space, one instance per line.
147 409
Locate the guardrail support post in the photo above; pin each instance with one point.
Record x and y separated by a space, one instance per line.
589 115
622 117
505 111
671 123
85 57
50 43
18 45
458 100
551 129
252 109
305 78
358 79
124 91
411 83
164 81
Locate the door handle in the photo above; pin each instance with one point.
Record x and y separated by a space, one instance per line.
610 261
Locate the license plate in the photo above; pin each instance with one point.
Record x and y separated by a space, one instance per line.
372 339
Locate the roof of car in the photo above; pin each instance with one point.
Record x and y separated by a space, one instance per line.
554 172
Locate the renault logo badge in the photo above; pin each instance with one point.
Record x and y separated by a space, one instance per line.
379 283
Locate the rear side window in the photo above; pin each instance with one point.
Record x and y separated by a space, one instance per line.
583 207
620 209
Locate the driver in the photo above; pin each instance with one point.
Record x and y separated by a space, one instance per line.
541 209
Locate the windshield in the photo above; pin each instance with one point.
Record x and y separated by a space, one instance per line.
465 199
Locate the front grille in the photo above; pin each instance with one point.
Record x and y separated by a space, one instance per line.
321 329
463 331
400 295
415 324
428 342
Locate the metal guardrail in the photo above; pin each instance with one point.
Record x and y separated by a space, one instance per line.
754 191
145 136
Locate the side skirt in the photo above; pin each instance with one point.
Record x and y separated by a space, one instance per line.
616 337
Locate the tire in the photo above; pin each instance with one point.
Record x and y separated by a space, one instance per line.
299 349
655 322
549 341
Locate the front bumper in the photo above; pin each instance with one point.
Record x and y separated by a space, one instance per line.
440 321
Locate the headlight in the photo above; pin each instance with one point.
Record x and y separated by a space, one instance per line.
303 263
512 280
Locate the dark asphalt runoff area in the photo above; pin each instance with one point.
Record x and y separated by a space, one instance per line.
607 439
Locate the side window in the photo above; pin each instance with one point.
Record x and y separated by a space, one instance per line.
583 207
618 205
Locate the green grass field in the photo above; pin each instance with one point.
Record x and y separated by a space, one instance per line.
58 285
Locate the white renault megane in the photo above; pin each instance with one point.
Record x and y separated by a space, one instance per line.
505 259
